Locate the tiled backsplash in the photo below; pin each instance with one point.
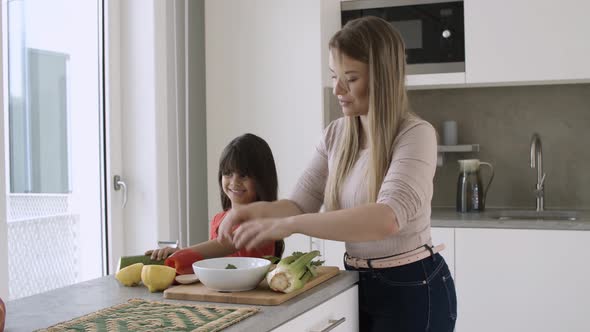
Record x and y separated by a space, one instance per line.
502 120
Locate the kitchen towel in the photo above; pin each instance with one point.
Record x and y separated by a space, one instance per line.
143 315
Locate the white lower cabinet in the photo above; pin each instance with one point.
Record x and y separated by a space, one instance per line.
522 280
445 236
506 280
297 242
332 252
339 313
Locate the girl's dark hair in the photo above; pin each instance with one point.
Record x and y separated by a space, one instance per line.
249 155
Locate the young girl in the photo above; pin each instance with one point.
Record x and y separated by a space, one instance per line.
247 174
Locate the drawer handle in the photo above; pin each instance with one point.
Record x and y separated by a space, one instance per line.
333 323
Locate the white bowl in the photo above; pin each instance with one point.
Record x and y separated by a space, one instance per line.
249 273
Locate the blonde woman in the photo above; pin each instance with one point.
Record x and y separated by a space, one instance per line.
373 172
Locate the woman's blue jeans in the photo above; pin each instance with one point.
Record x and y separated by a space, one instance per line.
416 297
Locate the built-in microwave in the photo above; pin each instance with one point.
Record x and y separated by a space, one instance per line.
433 31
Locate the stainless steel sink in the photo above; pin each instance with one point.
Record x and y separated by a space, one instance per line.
534 215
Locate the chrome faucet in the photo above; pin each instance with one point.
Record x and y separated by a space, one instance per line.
537 162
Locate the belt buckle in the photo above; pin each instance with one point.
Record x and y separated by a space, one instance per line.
352 261
359 263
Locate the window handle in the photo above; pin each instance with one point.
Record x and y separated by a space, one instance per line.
117 185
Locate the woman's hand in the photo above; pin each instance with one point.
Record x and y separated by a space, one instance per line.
253 234
229 223
159 254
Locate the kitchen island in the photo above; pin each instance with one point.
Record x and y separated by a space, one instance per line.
63 304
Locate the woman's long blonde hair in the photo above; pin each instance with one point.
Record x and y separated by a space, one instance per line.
375 42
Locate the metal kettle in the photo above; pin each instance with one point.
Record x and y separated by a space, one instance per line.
471 194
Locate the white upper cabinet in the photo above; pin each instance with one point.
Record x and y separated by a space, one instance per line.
527 41
507 42
427 81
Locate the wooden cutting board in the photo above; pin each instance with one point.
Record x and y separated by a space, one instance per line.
261 295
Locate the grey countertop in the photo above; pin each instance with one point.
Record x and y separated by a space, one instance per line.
49 308
448 217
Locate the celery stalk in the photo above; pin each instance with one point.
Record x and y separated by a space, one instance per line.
293 272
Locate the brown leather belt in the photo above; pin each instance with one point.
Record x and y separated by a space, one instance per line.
393 261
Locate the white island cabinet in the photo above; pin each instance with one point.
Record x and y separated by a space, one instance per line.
526 41
339 313
522 280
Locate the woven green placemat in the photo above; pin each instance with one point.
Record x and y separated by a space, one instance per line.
142 315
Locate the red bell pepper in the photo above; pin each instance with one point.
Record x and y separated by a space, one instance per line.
183 260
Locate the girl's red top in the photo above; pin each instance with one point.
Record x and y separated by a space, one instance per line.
265 250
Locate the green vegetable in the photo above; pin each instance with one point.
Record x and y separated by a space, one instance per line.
230 267
293 272
272 259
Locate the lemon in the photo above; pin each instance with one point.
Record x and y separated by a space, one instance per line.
157 277
130 275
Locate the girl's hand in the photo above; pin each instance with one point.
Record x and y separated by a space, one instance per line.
158 254
229 223
255 233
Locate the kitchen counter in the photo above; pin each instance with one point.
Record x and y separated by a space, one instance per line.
49 308
448 217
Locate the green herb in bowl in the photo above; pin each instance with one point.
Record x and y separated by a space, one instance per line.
231 267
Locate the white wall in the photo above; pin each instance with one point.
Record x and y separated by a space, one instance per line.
264 76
